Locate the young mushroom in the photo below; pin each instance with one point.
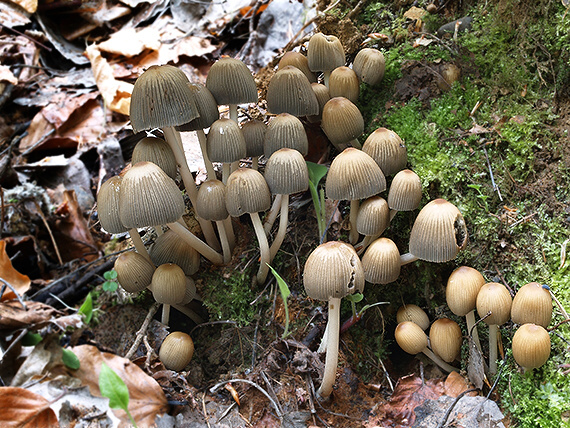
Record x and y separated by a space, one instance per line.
344 83
405 192
168 287
289 91
176 351
254 134
445 339
342 123
226 144
372 219
157 151
532 304
531 346
369 66
381 262
325 53
134 271
297 60
171 248
413 313
387 149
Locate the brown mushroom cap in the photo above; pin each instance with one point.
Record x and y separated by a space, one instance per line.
134 271
531 346
341 121
254 134
387 149
225 142
171 248
211 201
286 172
191 292
298 60
410 337
463 285
439 232
149 197
289 91
413 313
495 298
285 131
176 351
354 175
381 262
344 82
325 53
369 66
445 338
168 284
161 98
532 304
207 109
108 205
247 192
323 95
230 82
157 151
373 216
333 270
405 192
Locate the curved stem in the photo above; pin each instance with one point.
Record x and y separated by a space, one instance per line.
493 336
331 360
211 173
470 321
263 248
139 244
407 258
189 313
272 214
368 239
196 243
227 254
448 368
283 222
353 235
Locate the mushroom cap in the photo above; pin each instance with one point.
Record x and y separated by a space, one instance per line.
341 121
247 192
323 95
405 192
439 232
381 262
387 149
157 151
289 91
369 65
149 197
225 141
413 313
463 285
445 339
254 134
285 130
333 270
325 53
410 337
191 292
211 201
176 351
531 346
343 82
286 172
108 205
134 271
354 175
495 298
207 109
171 248
298 60
168 284
373 216
532 304
161 98
230 82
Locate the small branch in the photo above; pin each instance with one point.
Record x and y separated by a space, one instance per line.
142 330
459 397
259 388
11 287
495 187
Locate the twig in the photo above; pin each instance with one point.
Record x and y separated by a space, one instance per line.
39 211
511 291
495 187
212 323
564 313
459 397
142 330
149 351
497 377
387 374
566 321
11 287
270 389
522 220
563 253
204 410
254 347
12 344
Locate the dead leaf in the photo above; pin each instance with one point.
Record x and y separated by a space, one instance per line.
45 360
146 398
423 41
12 16
415 13
475 365
6 75
455 384
129 42
20 282
14 317
23 408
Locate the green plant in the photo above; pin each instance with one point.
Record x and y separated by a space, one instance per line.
113 387
316 173
480 195
110 283
70 359
86 308
285 293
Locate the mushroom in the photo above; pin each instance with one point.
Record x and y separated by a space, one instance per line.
285 131
445 339
289 91
168 287
405 192
325 53
298 60
332 271
495 299
412 339
342 123
353 175
171 248
176 351
372 219
254 134
531 346
387 149
343 82
532 304
381 262
225 144
248 192
286 172
323 95
134 271
413 313
369 66
157 151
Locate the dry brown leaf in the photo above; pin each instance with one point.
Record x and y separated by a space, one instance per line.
6 75
20 282
129 42
23 408
14 317
146 398
455 384
415 13
29 6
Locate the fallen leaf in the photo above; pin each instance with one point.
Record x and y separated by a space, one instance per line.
23 408
14 317
455 384
146 398
6 75
422 41
415 13
475 365
20 282
129 42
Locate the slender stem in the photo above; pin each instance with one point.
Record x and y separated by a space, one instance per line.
230 232
470 321
326 78
233 112
354 206
207 162
226 171
272 214
165 314
138 243
407 258
493 335
283 222
393 214
368 239
227 254
196 243
255 162
263 248
331 360
448 368
323 345
189 313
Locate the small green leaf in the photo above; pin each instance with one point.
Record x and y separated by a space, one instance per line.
31 339
355 298
86 309
110 275
113 387
110 286
285 293
316 172
70 359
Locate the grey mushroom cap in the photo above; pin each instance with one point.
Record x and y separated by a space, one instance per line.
387 149
161 98
381 262
211 201
254 133
298 60
373 216
247 192
369 66
286 172
225 141
289 91
325 53
108 205
157 151
341 121
207 109
134 271
405 192
344 83
171 248
230 82
285 131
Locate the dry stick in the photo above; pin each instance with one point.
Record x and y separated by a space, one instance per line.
272 214
11 287
14 342
142 330
39 210
495 187
450 409
210 172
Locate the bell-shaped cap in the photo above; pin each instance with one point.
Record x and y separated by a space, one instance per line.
134 271
354 175
149 197
211 201
254 134
373 216
413 313
439 232
343 82
298 60
207 109
369 66
445 339
171 248
387 149
381 262
405 192
495 298
341 121
289 91
333 270
532 304
157 151
225 141
108 205
531 346
325 52
463 286
323 95
161 98
230 82
286 172
410 337
176 351
285 131
247 192
168 284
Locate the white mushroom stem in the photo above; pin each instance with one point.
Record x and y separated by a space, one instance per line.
189 313
226 171
448 368
227 254
407 258
165 314
196 243
393 214
283 222
211 173
493 337
272 215
255 162
230 232
138 243
368 239
353 235
331 360
172 137
263 248
323 345
470 321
